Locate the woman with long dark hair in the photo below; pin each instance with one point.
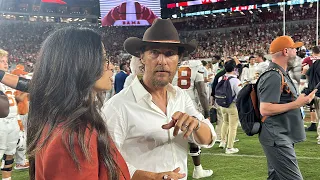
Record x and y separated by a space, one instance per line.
67 137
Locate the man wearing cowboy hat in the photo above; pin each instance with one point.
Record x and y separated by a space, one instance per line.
152 121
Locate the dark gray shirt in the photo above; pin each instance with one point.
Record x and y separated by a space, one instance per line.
285 128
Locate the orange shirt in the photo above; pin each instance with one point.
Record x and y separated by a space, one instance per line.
23 106
54 162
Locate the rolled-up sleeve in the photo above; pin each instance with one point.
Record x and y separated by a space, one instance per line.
192 111
213 135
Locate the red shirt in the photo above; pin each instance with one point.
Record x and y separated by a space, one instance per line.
309 60
54 162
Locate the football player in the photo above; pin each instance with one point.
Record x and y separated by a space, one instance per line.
9 127
191 80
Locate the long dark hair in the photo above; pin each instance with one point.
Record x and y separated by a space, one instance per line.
61 92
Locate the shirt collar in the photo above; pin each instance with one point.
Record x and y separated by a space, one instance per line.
140 92
274 65
231 75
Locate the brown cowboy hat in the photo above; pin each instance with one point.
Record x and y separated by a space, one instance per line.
162 32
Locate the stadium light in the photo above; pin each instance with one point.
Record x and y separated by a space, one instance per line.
317 25
242 13
250 12
259 10
284 17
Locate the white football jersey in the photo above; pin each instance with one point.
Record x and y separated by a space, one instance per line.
186 77
13 109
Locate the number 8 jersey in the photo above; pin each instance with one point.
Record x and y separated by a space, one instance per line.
186 77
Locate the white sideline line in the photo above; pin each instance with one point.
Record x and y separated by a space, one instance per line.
254 156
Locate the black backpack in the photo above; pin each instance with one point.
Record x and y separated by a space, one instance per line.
248 106
223 92
213 115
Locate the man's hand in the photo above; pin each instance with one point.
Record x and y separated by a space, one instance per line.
175 175
182 121
236 60
303 99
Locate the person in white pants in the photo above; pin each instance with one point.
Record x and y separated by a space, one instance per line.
21 160
23 109
9 127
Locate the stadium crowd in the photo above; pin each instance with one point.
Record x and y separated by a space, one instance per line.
23 39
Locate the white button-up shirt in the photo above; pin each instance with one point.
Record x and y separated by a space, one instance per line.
135 125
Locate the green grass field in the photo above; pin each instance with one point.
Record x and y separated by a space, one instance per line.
249 163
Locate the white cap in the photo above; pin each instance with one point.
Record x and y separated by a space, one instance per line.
135 63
